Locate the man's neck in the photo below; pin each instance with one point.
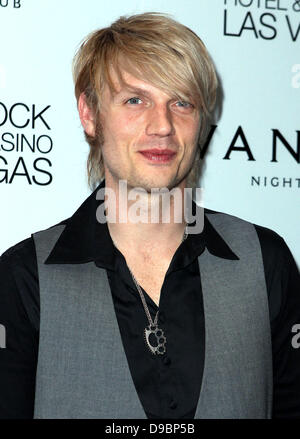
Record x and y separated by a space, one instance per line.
145 223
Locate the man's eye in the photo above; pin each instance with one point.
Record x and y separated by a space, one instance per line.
134 101
183 104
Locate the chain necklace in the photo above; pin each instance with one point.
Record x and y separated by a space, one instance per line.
158 338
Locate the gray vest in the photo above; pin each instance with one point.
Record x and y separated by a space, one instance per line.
82 369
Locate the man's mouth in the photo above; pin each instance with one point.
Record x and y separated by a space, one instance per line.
158 155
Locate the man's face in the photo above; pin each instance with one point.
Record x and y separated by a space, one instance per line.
150 137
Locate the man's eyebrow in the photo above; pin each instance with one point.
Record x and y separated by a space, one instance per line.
134 90
141 92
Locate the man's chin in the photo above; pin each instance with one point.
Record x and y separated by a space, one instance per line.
150 185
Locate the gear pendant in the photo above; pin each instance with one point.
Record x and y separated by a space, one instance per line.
158 336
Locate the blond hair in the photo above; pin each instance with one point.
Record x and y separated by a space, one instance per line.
152 47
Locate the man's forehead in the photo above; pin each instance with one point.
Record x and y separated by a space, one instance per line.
123 81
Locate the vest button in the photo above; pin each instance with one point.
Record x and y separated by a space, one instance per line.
162 318
173 404
167 361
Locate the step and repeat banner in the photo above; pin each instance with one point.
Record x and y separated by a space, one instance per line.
251 166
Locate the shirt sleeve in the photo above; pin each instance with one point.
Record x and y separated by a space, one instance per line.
18 333
283 286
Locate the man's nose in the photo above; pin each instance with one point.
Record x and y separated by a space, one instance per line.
160 121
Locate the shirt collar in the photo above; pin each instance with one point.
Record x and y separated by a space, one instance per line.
84 239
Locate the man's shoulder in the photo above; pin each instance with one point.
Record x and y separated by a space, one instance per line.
269 240
223 216
227 221
25 250
17 264
48 231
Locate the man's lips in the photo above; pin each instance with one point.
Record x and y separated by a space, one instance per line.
158 151
158 155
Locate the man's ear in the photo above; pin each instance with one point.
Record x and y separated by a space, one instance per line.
86 116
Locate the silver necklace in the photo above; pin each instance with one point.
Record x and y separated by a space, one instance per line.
158 338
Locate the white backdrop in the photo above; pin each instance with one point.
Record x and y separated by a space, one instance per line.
255 46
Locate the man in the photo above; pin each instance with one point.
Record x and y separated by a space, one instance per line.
127 319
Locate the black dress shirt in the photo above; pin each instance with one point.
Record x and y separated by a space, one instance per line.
168 385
